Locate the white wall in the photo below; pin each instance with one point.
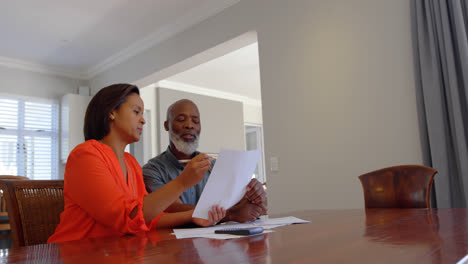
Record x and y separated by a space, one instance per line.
210 105
32 84
338 90
148 94
72 111
253 114
222 121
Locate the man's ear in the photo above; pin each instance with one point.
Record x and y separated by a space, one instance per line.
166 125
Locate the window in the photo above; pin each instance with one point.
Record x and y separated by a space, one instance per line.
254 140
28 138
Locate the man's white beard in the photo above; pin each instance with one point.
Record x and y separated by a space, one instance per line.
188 148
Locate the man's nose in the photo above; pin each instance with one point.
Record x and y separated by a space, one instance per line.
188 124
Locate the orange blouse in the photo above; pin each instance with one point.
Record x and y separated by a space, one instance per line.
98 200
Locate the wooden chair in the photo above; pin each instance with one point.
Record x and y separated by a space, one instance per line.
34 209
3 211
4 221
406 186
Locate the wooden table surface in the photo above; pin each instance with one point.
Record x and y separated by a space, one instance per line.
333 236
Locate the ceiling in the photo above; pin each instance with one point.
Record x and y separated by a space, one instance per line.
85 37
237 72
80 39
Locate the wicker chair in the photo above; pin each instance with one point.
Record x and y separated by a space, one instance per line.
34 209
4 221
406 186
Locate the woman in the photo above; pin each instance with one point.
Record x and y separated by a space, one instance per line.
104 190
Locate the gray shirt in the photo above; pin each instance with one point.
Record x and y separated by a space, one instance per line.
164 168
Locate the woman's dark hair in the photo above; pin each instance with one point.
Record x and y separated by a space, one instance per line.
108 99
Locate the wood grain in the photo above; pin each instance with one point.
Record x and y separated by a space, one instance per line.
333 236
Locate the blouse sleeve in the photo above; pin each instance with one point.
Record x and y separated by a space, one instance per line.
93 187
141 187
152 224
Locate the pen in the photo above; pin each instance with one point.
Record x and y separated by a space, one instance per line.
212 156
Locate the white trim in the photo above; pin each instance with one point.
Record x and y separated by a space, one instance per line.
29 98
253 124
40 68
205 91
167 31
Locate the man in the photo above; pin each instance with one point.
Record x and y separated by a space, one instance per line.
183 124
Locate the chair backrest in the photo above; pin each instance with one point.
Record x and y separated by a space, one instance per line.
3 211
34 208
406 186
13 177
4 220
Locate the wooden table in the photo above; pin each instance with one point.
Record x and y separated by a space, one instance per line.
333 236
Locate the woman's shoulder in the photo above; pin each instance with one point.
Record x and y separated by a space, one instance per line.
90 147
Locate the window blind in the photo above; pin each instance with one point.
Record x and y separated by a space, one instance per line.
29 138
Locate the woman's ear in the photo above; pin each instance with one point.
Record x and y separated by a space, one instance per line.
111 116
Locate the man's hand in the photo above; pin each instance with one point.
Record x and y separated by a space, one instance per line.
214 216
256 194
195 170
244 211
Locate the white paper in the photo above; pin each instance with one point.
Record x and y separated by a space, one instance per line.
208 232
226 185
463 260
281 221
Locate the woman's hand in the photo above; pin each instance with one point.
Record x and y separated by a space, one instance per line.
214 216
195 170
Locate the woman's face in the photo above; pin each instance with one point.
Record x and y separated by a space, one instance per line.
128 120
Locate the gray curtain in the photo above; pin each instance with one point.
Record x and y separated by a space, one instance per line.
441 62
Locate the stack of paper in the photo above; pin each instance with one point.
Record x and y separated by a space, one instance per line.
208 232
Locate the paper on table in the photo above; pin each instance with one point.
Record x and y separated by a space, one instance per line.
226 185
281 221
227 236
463 260
208 232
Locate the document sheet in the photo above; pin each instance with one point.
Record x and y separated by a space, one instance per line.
463 260
208 232
226 186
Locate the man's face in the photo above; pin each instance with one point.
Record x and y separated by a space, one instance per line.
184 127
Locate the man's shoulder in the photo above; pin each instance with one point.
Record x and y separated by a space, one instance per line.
157 162
161 163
